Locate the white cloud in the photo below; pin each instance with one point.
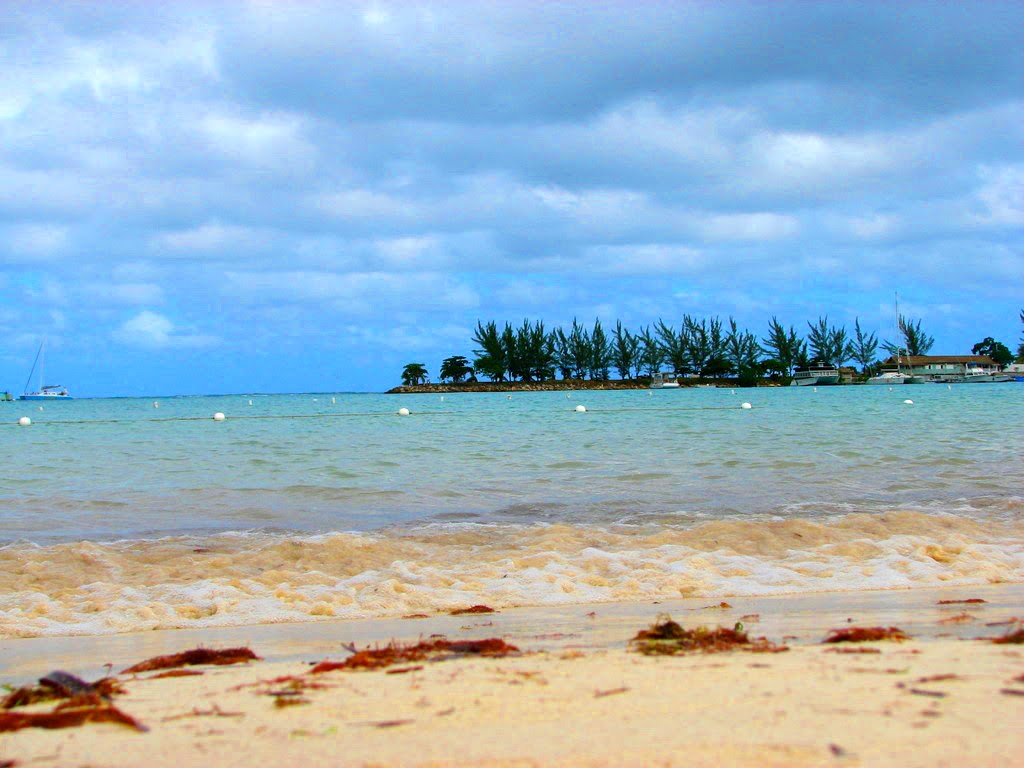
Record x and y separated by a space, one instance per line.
38 240
273 142
207 238
150 330
1001 196
748 227
125 293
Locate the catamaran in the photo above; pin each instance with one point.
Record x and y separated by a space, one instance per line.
46 391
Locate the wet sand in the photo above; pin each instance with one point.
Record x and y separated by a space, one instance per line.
576 695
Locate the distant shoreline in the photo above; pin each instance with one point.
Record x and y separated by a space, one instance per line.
560 385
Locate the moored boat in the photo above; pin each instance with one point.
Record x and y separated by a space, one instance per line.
815 375
49 392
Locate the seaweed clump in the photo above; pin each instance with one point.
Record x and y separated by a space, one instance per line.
667 638
399 653
1010 638
83 703
193 657
865 635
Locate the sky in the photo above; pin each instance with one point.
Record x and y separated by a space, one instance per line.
201 197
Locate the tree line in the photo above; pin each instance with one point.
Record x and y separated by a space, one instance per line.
703 347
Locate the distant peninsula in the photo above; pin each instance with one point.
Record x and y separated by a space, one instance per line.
555 385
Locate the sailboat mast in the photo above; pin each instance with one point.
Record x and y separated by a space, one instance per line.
28 381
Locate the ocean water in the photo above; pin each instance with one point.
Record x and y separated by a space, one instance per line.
116 515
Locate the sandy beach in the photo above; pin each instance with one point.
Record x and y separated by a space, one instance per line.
577 692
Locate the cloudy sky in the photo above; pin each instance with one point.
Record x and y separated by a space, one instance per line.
298 196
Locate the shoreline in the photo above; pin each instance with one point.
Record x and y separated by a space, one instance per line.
564 385
576 695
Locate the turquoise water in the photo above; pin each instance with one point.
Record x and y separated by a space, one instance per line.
116 514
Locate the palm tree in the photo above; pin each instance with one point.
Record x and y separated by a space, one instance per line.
414 374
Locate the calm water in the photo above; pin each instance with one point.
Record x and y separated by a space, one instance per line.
118 515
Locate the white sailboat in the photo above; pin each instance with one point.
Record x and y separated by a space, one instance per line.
49 392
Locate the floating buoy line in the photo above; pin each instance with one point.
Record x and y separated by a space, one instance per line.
219 416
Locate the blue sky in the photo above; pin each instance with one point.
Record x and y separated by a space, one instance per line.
285 196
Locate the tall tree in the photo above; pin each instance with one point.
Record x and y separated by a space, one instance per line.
414 374
562 358
914 341
697 343
624 350
600 353
456 368
994 349
674 344
864 347
490 358
651 353
718 363
742 351
782 345
580 352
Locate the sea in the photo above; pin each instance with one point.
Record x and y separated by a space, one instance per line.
119 515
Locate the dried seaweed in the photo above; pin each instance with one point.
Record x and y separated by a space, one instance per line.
60 685
667 638
398 653
969 601
68 715
473 609
1011 638
960 618
865 634
193 657
852 650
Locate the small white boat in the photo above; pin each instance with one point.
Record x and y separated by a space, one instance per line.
983 377
48 392
658 382
889 377
815 375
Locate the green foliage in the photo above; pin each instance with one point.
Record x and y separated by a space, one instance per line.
600 354
651 353
864 348
625 350
829 344
413 374
783 346
490 357
743 354
914 341
994 349
456 368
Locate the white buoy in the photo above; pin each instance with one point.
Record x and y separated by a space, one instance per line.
908 402
156 404
250 402
24 421
403 411
508 397
746 406
218 416
442 398
732 391
949 387
815 389
581 409
334 400
40 407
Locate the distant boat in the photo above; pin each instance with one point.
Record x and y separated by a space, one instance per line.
815 375
889 377
658 382
49 392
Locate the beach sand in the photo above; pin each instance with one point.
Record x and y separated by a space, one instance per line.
576 695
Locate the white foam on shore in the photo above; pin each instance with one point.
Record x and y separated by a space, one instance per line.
88 588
